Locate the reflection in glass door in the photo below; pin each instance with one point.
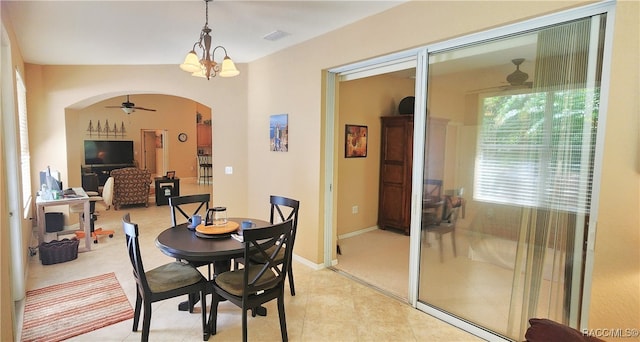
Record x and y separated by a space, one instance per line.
510 136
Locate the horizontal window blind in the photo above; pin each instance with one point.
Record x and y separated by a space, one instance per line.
530 150
25 156
535 149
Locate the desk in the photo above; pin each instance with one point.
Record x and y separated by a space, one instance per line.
85 223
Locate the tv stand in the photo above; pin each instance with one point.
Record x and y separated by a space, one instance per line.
103 170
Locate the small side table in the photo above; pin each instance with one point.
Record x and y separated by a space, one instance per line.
165 188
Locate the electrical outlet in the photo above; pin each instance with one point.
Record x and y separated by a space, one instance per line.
228 170
354 209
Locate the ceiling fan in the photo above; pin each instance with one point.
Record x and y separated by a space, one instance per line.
130 107
517 79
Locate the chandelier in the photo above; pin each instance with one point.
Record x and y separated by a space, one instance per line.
205 66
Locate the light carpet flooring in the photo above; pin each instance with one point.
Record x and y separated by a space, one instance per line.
386 266
327 307
480 292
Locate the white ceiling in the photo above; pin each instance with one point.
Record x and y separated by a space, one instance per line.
149 32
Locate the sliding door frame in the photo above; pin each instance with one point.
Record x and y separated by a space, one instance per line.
368 68
421 54
606 7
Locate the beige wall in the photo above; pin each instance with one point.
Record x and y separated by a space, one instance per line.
58 92
174 114
615 295
297 90
363 102
299 93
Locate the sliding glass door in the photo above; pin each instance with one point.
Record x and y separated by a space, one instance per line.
510 137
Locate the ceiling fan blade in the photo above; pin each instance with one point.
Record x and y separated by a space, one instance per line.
130 107
142 108
526 85
516 80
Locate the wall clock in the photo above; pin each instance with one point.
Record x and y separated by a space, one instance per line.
182 137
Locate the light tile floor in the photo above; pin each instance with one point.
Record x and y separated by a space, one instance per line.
327 307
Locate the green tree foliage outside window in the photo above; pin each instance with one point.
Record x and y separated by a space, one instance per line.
533 148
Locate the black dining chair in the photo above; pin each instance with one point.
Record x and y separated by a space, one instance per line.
432 202
257 283
163 282
179 205
447 224
282 209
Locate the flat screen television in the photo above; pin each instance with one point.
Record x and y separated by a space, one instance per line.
108 152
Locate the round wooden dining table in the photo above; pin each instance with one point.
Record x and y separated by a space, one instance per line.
182 243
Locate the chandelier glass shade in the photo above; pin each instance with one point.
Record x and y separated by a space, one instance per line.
204 65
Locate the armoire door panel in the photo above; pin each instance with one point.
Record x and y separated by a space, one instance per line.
392 206
393 174
395 149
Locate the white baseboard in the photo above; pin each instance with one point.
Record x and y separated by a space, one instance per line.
308 263
357 232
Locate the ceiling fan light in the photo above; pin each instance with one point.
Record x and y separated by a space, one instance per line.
228 68
191 62
517 77
128 110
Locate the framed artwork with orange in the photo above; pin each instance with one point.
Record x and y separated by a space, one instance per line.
355 145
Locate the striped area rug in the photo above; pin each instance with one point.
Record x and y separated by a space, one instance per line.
62 311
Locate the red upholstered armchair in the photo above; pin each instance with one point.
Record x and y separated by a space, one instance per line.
130 186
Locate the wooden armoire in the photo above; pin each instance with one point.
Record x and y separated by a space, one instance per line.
396 161
396 164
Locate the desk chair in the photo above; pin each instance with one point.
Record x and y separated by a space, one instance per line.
163 282
93 198
90 184
205 168
257 283
107 193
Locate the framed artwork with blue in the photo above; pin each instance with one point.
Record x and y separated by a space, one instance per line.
279 132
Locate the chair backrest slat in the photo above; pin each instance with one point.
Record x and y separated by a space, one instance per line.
433 189
452 207
281 205
258 241
133 248
177 201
